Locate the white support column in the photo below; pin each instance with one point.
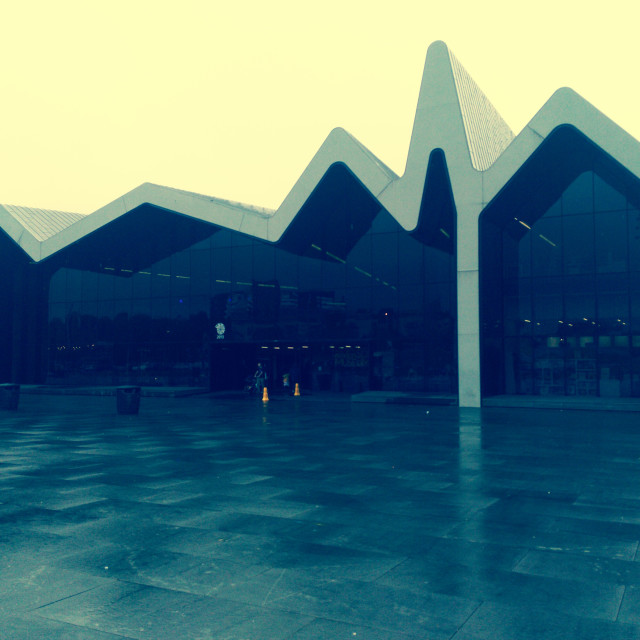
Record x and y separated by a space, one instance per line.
469 205
468 339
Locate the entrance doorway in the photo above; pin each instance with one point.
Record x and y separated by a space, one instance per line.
231 363
316 366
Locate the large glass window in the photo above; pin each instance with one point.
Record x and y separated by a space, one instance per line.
570 320
381 317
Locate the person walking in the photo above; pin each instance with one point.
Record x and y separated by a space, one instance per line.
260 377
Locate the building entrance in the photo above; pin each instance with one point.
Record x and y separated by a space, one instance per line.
319 366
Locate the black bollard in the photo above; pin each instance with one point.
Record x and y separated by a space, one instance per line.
128 400
9 396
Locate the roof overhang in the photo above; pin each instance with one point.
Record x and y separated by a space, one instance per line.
461 156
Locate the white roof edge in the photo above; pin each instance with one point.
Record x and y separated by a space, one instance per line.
439 123
265 224
564 107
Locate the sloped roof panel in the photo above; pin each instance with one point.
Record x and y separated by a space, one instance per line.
488 135
42 223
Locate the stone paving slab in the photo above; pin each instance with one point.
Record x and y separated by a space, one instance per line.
216 518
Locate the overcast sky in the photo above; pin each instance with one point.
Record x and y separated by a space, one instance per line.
232 99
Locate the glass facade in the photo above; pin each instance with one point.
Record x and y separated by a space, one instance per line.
562 310
379 316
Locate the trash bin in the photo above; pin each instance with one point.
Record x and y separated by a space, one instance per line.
9 396
128 400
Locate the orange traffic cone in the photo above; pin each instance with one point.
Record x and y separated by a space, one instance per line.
297 390
265 395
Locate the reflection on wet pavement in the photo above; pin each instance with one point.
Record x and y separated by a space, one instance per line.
310 519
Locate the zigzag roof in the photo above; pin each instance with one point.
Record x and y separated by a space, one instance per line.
452 114
488 135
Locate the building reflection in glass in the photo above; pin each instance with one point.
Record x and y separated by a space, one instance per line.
375 313
569 282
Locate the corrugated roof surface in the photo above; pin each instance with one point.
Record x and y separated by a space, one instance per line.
42 223
488 135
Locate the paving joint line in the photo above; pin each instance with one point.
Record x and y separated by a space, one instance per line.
79 626
73 595
461 627
624 593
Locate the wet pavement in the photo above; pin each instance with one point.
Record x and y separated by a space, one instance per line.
302 519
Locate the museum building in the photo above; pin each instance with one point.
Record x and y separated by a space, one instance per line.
496 265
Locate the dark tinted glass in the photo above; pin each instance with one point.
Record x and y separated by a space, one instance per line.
524 258
58 286
359 264
547 306
200 272
634 302
310 274
613 302
439 266
384 252
576 294
242 265
578 198
578 244
89 285
384 223
222 264
140 283
606 198
74 285
411 267
160 279
158 325
633 236
286 268
611 241
264 265
546 247
122 286
524 319
333 275
580 308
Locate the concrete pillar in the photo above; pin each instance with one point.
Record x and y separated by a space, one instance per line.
468 339
468 280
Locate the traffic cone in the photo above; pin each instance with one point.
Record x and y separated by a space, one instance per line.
265 395
297 390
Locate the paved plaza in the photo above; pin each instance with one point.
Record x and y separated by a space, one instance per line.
316 519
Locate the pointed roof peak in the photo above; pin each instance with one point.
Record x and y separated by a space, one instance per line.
438 45
488 135
463 112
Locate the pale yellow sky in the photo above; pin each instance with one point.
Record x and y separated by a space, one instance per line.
233 99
